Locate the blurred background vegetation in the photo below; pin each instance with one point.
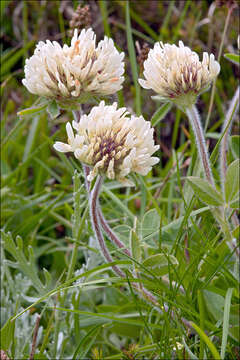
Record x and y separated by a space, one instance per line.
36 194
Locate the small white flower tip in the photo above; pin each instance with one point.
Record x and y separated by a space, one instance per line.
70 133
75 33
142 82
154 161
217 68
61 147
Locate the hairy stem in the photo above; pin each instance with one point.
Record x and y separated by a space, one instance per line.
96 225
112 236
194 119
202 150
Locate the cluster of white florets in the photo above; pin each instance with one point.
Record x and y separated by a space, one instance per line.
71 73
112 143
176 74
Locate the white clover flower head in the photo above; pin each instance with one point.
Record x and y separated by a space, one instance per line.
176 74
75 72
112 143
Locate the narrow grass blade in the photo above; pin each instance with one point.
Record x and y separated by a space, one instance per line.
66 284
215 153
141 22
181 19
104 12
160 113
207 341
133 61
31 137
202 318
86 343
226 315
8 62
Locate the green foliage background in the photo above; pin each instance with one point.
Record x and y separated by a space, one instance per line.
85 311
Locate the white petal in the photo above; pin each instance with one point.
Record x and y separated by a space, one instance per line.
70 133
62 147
